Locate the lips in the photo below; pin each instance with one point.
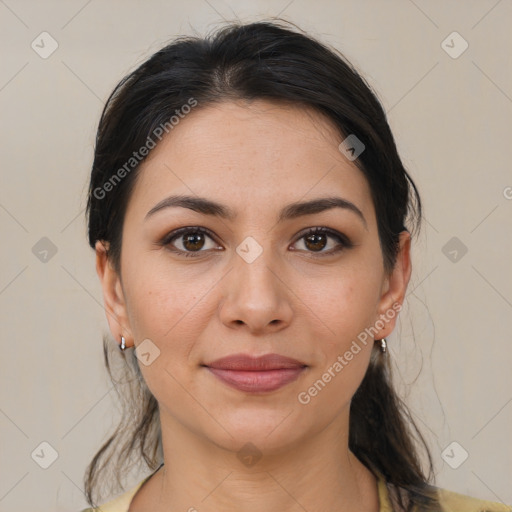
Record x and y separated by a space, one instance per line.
256 374
245 362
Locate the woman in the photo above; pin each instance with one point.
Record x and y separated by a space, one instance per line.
251 219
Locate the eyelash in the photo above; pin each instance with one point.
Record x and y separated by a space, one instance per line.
344 242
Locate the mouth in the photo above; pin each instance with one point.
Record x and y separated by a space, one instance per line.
256 374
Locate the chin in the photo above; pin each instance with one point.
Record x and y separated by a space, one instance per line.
268 431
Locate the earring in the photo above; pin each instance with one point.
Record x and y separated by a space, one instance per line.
383 345
123 343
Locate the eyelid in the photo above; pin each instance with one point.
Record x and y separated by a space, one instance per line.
342 238
180 231
175 234
343 242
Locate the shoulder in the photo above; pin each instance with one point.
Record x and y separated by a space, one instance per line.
448 501
454 502
120 503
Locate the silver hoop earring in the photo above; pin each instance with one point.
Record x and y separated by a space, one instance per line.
123 343
383 345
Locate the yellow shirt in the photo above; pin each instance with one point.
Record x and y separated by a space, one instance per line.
450 501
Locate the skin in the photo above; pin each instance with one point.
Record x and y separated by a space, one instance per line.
254 158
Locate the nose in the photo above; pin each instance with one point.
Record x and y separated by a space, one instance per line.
255 297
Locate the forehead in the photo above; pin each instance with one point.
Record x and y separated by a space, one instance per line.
251 153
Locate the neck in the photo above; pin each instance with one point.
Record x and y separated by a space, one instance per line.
318 474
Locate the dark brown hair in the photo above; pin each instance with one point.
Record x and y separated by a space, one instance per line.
270 60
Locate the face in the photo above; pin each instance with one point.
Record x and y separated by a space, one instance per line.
249 275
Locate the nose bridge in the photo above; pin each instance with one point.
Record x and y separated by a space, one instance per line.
254 270
255 293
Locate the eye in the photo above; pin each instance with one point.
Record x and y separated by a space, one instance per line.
316 240
189 240
192 240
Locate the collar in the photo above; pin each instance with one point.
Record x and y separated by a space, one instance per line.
122 502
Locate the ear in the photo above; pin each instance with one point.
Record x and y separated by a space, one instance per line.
394 288
113 295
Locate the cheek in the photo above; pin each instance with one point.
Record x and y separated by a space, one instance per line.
167 310
346 306
161 298
171 306
346 302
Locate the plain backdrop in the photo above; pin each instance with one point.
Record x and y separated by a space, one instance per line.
449 108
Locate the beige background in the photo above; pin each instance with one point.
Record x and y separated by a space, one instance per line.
451 118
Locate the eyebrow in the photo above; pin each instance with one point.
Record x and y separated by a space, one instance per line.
290 211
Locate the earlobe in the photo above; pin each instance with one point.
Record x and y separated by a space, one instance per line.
113 297
396 287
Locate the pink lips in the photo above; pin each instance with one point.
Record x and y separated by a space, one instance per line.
256 374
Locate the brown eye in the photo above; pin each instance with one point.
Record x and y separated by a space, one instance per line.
189 240
193 242
315 242
317 239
